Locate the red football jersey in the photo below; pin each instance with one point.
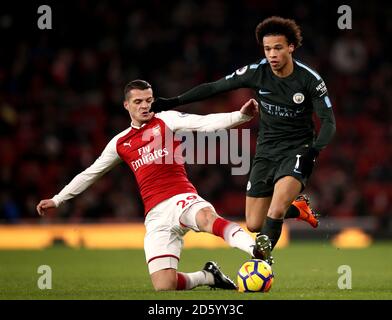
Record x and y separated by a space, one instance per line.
149 152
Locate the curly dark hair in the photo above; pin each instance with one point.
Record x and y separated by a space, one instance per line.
279 26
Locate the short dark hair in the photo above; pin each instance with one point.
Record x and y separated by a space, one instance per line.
135 84
279 26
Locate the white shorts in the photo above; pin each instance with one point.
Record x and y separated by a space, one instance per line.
166 224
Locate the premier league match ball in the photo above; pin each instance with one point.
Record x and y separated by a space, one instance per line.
255 276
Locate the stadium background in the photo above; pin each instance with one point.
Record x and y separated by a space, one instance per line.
61 100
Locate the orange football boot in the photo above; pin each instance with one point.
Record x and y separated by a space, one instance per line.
305 211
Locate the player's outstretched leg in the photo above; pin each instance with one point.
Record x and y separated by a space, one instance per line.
235 236
301 210
207 220
220 279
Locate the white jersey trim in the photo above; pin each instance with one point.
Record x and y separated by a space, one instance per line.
309 69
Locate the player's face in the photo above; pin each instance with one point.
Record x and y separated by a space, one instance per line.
277 51
139 105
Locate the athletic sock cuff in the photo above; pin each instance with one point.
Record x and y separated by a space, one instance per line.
219 226
181 281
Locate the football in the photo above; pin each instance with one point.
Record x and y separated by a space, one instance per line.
255 276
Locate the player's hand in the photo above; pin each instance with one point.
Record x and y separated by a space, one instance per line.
307 161
44 205
163 104
250 108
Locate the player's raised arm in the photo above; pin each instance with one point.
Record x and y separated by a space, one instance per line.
106 161
241 78
211 122
322 106
323 109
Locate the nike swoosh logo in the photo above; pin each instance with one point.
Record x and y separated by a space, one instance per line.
264 92
239 229
246 269
296 171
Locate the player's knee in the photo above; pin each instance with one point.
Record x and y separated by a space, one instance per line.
165 285
164 280
254 220
252 226
205 219
277 212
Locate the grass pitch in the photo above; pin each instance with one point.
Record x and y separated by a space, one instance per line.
303 270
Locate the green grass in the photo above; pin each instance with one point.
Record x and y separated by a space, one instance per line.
302 271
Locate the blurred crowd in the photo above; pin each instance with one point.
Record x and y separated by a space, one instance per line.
61 98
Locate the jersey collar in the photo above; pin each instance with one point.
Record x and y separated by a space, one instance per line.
136 127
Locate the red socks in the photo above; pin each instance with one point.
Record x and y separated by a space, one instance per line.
219 226
181 281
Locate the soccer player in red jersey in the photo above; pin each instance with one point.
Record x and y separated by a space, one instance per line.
172 205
